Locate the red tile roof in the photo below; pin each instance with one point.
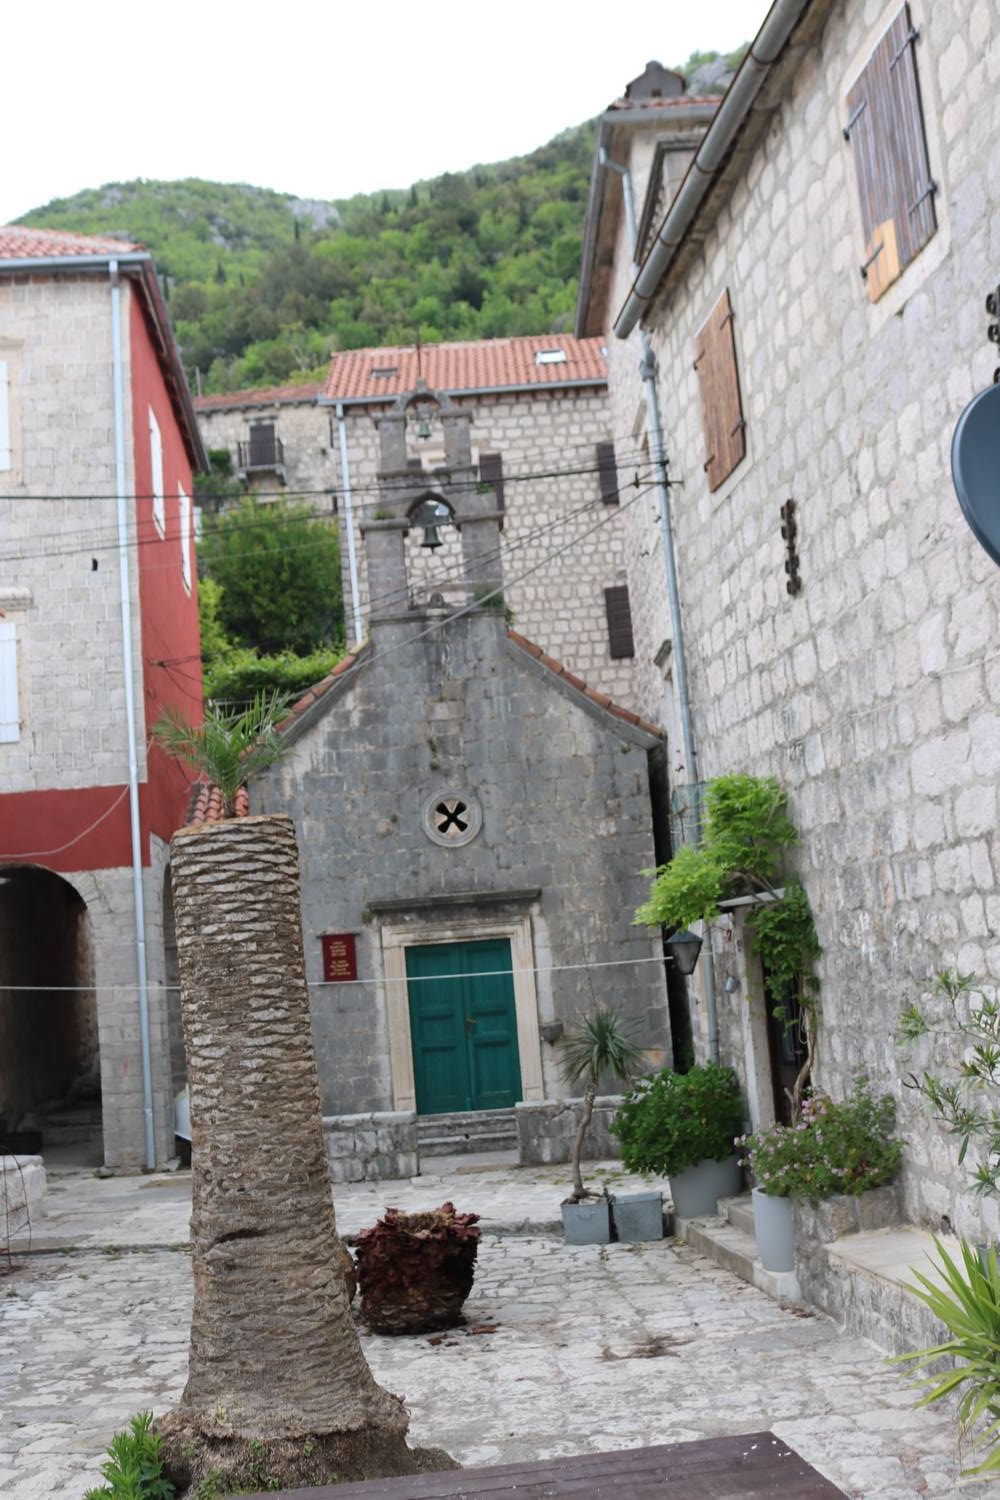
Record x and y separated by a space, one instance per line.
270 396
205 805
22 242
476 365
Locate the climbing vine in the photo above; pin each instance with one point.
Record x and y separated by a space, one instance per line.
747 832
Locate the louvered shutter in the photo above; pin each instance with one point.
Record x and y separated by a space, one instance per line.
491 472
619 615
607 473
10 725
885 128
5 457
184 511
721 405
156 473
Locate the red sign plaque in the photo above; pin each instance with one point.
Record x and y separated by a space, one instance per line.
340 959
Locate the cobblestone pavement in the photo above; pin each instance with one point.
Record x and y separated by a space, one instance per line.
587 1349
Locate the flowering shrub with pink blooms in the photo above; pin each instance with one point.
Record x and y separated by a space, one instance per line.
845 1147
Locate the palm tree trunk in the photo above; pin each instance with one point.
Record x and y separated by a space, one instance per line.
278 1386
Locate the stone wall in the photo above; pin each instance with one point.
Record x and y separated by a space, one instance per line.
874 695
372 1147
556 519
546 1132
59 580
563 787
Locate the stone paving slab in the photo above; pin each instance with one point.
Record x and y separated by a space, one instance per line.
84 1211
593 1349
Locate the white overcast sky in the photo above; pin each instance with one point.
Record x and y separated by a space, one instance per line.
320 100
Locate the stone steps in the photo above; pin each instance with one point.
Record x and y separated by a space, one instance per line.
729 1240
461 1133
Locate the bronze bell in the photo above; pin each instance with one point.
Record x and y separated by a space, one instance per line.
423 428
431 538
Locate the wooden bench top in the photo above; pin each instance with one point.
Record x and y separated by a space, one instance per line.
726 1468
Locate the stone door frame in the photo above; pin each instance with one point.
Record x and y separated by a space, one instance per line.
397 937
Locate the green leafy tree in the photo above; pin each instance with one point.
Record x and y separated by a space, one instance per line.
278 567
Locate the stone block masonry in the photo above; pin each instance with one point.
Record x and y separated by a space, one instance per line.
874 694
546 1132
371 1147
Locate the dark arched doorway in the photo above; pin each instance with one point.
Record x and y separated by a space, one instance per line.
50 1074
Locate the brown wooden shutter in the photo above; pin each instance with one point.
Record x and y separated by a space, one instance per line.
721 406
619 614
607 473
885 127
491 472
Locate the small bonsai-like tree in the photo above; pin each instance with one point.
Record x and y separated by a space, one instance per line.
600 1045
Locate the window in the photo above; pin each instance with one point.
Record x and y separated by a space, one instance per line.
185 529
6 461
384 372
619 613
10 718
156 474
550 357
885 128
607 473
721 407
491 472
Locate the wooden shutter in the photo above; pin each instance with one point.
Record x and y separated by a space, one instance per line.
885 127
491 472
185 530
619 615
10 722
5 456
721 406
607 473
262 445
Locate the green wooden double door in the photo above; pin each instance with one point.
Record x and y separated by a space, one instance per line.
463 1026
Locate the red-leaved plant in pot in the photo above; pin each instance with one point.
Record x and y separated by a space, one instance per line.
415 1270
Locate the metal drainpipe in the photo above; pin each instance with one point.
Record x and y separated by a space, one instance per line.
133 756
647 369
352 556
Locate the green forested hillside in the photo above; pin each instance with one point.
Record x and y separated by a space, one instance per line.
263 286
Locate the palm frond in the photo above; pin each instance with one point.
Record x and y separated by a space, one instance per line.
601 1043
228 748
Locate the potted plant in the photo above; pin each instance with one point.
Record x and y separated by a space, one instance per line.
836 1148
598 1046
415 1270
683 1125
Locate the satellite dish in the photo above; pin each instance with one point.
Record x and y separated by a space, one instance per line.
975 468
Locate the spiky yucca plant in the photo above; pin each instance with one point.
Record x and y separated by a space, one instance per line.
966 1298
228 748
600 1044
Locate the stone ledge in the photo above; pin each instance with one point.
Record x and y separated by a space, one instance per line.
22 1194
545 1131
372 1147
736 1251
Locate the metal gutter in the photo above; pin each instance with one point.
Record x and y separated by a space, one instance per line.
698 113
128 669
72 262
590 382
711 155
352 558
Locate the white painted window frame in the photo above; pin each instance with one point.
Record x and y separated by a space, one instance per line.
10 712
156 474
184 513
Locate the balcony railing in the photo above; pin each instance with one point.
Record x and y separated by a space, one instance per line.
263 451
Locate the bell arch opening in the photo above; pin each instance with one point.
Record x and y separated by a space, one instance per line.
50 1072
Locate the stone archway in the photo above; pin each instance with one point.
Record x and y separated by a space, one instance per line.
50 1078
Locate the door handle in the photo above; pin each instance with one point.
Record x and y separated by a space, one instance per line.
470 1025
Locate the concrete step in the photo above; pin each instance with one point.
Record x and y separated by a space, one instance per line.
70 1125
739 1213
736 1251
474 1130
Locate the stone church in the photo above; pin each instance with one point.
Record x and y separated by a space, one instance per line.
473 823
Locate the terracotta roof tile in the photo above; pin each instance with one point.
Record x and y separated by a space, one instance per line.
272 395
205 804
22 242
475 365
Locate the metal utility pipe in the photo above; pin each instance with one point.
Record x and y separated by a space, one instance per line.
647 369
764 52
352 556
128 669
